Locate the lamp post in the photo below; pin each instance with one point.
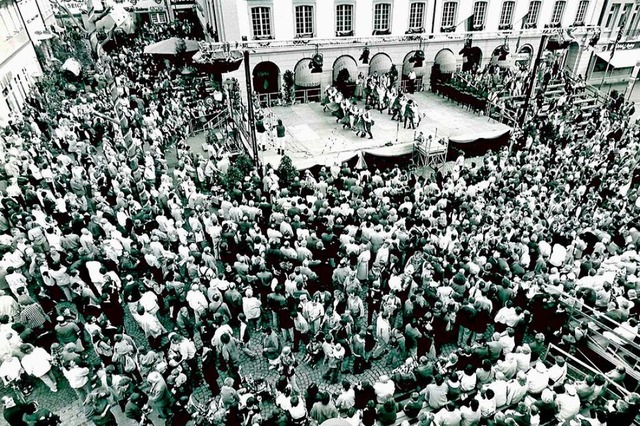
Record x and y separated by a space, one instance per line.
252 120
532 83
613 52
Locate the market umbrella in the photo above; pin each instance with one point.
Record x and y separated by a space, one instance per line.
170 46
72 66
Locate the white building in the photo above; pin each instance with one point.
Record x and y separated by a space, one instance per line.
286 34
18 62
620 22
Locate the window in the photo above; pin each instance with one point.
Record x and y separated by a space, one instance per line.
382 17
158 18
479 14
449 14
625 14
506 17
416 16
582 11
344 18
261 22
533 14
613 12
631 29
558 11
304 21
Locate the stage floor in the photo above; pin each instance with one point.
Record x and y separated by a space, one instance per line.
314 137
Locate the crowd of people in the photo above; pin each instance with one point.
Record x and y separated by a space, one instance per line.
135 281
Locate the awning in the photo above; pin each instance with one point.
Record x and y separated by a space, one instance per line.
621 58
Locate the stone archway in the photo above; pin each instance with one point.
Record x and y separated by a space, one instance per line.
266 78
572 57
524 56
418 67
501 56
345 72
380 63
471 58
307 83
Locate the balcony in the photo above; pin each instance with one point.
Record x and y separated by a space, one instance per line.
344 33
505 27
446 36
415 30
448 29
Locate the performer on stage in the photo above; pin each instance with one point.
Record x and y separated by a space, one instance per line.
261 132
367 124
280 137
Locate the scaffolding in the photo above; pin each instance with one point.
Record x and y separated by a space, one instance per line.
430 152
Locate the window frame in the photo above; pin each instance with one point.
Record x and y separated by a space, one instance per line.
304 34
351 30
268 8
450 16
557 15
533 14
612 16
581 13
416 28
627 9
484 3
386 30
506 13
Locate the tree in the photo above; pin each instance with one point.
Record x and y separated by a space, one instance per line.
286 172
232 177
288 89
244 163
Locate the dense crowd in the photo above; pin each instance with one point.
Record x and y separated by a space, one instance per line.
454 284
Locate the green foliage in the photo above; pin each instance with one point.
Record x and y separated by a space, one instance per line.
286 172
288 89
232 177
244 163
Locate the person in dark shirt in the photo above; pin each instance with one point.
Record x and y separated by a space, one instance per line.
13 412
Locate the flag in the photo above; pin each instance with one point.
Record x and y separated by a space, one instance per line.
470 20
524 20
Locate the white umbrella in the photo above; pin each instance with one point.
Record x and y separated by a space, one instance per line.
73 66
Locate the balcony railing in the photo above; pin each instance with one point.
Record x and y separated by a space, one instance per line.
379 39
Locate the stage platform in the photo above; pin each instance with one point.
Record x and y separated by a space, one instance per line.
314 137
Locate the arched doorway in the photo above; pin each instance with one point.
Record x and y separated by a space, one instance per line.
524 56
501 56
444 65
380 63
471 58
307 84
572 57
266 78
419 67
345 72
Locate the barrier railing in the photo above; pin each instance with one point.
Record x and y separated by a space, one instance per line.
204 122
313 94
269 99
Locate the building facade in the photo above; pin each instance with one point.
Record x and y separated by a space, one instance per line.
618 50
285 35
19 64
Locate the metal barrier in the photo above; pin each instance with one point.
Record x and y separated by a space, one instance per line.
313 94
208 121
269 99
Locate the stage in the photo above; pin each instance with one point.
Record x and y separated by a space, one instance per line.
314 138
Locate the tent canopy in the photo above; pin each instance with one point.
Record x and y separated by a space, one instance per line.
621 58
170 46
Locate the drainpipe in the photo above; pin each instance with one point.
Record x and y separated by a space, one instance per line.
433 18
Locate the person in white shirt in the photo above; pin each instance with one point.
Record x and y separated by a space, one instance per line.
37 362
567 404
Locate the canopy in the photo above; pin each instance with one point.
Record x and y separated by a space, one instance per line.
119 18
170 46
621 58
73 66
